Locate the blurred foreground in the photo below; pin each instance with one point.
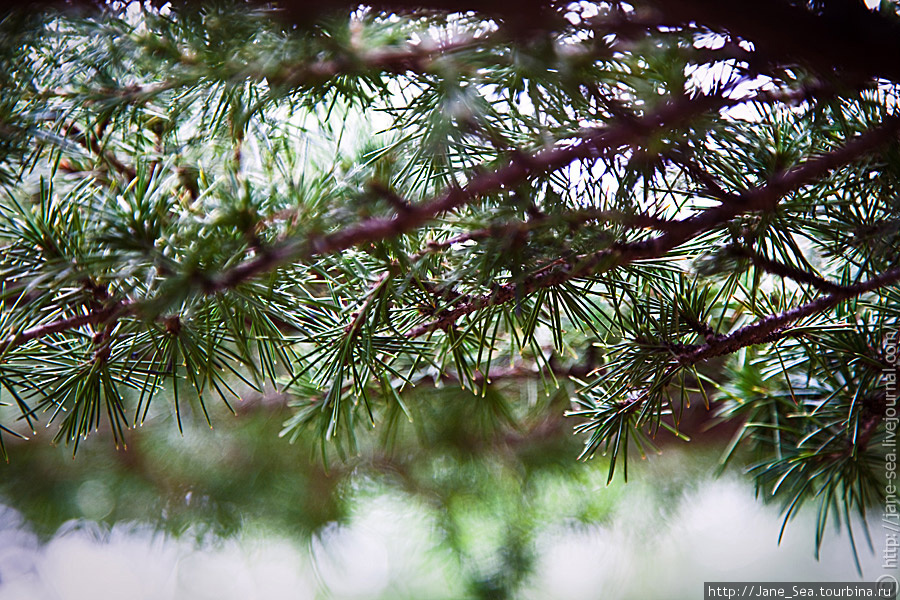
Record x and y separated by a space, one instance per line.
237 513
651 546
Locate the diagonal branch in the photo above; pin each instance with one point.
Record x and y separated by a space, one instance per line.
709 183
515 229
593 143
413 58
774 326
94 317
786 271
760 199
93 145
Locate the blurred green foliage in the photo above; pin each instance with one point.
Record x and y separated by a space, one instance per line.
490 486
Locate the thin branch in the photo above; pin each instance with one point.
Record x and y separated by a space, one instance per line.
413 58
760 199
516 371
94 317
514 229
358 317
593 144
786 271
773 326
94 146
709 183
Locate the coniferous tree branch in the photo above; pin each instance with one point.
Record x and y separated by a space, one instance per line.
573 218
761 199
93 145
771 327
97 316
785 271
671 114
414 58
591 143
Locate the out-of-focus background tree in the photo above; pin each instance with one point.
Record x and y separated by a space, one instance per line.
237 513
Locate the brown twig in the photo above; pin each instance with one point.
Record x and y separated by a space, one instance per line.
514 229
94 317
761 199
93 145
412 58
786 271
593 144
709 183
773 326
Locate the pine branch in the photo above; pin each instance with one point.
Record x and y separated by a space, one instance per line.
593 143
411 59
514 372
785 271
671 114
94 317
772 327
209 293
708 183
415 58
761 199
574 218
93 145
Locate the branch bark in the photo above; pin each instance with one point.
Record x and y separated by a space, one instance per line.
94 317
785 271
773 326
593 144
760 199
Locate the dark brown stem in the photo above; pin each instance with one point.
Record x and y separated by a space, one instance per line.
514 229
786 271
94 317
93 145
416 59
773 326
760 199
593 144
709 183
